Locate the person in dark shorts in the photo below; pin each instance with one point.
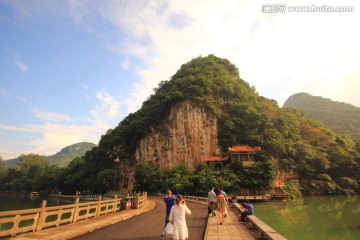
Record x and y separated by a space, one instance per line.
212 203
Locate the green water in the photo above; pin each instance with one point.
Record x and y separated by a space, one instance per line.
313 218
8 204
19 203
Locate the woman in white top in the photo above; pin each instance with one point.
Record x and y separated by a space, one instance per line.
177 218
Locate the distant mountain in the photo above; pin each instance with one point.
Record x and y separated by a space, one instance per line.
64 157
11 162
67 154
342 118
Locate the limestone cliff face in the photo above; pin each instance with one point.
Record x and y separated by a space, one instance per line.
187 136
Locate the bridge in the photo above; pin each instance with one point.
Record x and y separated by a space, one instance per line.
146 222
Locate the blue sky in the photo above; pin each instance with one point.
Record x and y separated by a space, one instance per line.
72 69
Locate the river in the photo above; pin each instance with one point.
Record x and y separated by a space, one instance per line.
313 218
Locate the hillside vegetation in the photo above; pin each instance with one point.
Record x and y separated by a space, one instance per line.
67 154
63 157
342 118
326 163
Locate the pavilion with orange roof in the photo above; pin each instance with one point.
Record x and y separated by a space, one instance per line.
244 154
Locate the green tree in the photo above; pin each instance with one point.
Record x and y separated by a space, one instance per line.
49 181
178 179
293 188
204 178
3 168
31 165
3 173
74 177
148 177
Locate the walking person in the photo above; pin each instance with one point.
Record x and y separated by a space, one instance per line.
221 205
169 200
212 202
178 219
226 199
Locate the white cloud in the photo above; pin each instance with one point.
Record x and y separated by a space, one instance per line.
272 51
59 130
292 51
55 135
108 107
50 116
14 128
279 54
53 138
12 149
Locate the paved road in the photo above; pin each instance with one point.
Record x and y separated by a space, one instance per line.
150 225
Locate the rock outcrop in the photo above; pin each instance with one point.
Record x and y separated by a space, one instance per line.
187 136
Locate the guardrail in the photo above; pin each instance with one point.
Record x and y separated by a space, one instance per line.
21 221
263 231
141 200
137 199
265 197
197 198
71 198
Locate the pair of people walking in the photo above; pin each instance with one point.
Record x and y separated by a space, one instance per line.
219 202
175 214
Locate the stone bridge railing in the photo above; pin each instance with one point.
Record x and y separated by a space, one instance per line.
21 221
260 229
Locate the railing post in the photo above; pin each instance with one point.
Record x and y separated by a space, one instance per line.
115 203
98 209
42 218
75 211
137 201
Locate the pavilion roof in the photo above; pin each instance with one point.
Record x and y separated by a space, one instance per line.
243 148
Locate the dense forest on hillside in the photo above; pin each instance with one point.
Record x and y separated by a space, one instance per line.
63 157
67 154
326 163
342 118
32 172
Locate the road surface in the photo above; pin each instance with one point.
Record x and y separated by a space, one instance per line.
150 225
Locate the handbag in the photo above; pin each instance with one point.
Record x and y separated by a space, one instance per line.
169 229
